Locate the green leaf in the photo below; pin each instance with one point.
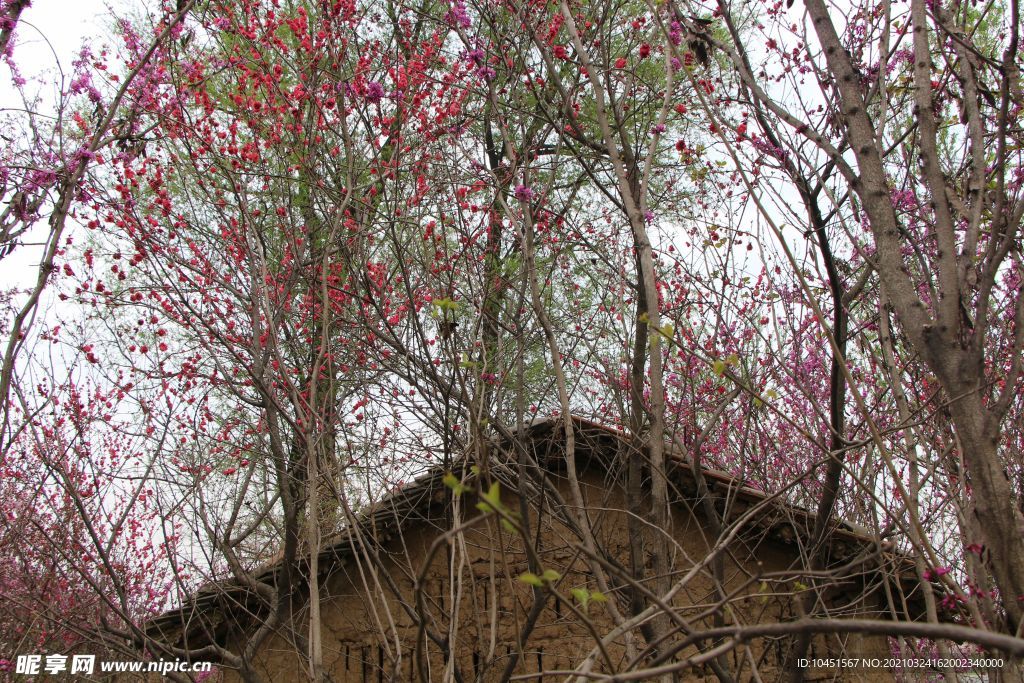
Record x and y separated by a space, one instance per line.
446 304
452 482
531 579
550 575
718 367
598 596
582 596
493 495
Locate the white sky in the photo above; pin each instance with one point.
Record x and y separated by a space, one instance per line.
65 24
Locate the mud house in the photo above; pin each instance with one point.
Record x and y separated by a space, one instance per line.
437 583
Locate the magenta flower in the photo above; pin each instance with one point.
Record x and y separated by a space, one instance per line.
676 33
458 14
374 91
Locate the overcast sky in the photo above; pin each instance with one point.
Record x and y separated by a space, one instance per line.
65 24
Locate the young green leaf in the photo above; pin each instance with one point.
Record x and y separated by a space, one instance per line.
531 579
550 575
582 596
452 482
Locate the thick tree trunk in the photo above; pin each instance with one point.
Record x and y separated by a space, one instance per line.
999 519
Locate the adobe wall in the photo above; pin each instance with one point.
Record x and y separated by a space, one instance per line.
370 632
